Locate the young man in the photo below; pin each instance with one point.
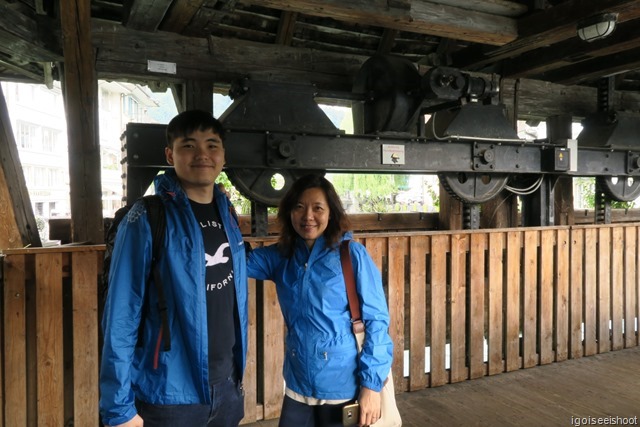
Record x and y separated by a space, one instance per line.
198 381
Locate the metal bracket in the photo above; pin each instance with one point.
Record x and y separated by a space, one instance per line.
484 157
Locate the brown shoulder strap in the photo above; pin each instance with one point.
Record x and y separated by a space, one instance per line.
350 284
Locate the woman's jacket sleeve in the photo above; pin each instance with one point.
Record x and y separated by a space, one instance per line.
377 350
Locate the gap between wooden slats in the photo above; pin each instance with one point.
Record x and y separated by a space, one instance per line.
84 270
529 289
512 301
604 289
576 294
561 326
590 267
617 288
49 342
546 293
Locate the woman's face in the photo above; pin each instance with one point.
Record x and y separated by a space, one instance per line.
310 216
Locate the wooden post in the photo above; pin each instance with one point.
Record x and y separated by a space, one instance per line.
450 215
18 226
198 95
81 104
559 128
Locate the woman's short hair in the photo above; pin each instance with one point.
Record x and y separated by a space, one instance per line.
190 121
338 220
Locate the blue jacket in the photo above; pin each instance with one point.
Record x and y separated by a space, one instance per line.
180 375
321 354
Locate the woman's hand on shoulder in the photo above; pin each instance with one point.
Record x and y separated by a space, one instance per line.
369 406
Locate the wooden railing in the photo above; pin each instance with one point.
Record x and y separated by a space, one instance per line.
463 305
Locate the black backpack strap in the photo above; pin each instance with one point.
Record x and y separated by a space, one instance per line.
158 225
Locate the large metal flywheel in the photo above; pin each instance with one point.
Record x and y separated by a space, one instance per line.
475 187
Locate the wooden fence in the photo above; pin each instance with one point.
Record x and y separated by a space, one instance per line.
463 305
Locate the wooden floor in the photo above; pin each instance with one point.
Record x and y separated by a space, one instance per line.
605 385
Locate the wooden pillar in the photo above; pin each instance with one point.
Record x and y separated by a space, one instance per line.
194 95
80 91
450 212
559 128
17 221
500 212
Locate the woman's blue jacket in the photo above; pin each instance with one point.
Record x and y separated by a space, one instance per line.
133 368
321 355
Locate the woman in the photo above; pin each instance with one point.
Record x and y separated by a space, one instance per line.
322 369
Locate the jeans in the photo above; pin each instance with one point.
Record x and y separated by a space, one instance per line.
297 414
226 409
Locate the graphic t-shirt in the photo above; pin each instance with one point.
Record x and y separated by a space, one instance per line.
222 317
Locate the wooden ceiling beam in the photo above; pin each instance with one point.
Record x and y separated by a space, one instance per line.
596 68
144 15
28 39
494 7
180 15
423 17
572 51
541 29
286 27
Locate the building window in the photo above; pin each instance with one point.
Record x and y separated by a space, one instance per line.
39 208
26 135
49 139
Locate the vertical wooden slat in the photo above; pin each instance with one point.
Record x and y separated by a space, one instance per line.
397 252
512 303
249 380
438 304
458 339
530 281
562 295
604 289
546 293
418 247
84 268
495 338
637 285
273 352
576 292
49 348
15 332
617 287
590 291
630 274
476 305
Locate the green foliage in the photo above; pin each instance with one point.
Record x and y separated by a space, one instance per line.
587 187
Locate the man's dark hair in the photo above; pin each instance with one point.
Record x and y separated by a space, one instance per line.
338 220
190 121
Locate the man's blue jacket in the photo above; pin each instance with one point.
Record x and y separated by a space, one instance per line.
180 375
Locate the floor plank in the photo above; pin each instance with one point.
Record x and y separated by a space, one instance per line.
605 385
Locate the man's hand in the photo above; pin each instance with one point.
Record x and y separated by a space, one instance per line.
133 422
369 406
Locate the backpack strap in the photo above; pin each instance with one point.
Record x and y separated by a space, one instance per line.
158 224
350 283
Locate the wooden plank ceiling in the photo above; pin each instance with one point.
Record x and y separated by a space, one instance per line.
325 41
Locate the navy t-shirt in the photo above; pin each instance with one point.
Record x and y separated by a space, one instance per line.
222 318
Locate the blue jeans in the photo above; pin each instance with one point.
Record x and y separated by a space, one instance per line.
226 409
297 414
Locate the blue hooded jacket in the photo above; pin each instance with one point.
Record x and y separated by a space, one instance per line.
321 358
180 375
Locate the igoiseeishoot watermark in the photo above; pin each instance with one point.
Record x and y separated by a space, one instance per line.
604 421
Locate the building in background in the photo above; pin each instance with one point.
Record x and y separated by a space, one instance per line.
38 121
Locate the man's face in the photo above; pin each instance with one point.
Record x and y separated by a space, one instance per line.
197 158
